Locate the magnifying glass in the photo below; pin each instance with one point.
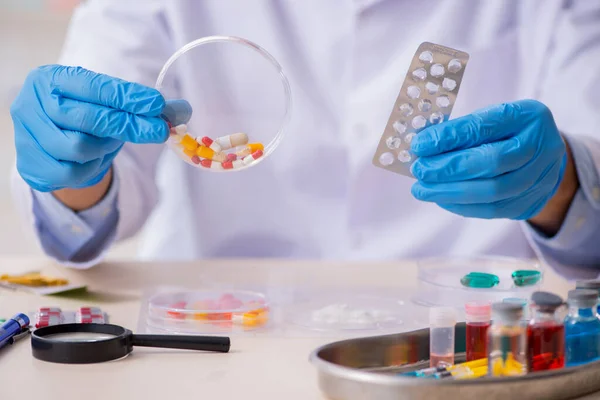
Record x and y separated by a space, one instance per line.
94 343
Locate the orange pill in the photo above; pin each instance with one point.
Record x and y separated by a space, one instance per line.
189 143
255 146
189 153
209 154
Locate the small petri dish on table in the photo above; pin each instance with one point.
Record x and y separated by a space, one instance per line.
454 281
348 312
207 311
230 103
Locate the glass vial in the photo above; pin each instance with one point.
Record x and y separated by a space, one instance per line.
477 317
592 284
545 333
442 321
507 341
582 327
523 303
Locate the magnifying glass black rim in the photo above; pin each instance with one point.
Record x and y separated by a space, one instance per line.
81 352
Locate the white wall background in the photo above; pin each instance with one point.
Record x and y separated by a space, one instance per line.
31 34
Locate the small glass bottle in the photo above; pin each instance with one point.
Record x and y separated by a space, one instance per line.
442 321
592 284
545 333
507 341
523 303
477 317
582 327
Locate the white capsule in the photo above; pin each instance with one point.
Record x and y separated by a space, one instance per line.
238 164
208 142
181 129
252 157
234 140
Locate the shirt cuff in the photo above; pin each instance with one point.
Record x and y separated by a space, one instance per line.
63 232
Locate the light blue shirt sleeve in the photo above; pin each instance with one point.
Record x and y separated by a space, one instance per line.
576 243
69 236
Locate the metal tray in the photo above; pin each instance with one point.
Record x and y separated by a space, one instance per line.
367 368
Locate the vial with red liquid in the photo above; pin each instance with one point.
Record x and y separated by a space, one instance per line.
545 333
442 321
477 317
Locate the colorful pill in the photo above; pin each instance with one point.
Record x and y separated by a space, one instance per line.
208 153
189 143
195 159
227 165
243 151
230 141
211 164
189 153
238 164
253 157
211 144
90 310
231 157
177 306
255 147
181 129
50 309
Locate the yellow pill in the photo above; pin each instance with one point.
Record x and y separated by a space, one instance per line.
189 143
189 153
255 146
209 154
205 152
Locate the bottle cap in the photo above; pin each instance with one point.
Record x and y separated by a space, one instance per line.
442 316
478 312
588 284
583 298
547 301
507 311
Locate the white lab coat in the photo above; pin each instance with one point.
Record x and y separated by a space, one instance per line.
318 195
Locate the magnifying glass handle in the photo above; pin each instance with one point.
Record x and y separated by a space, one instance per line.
203 343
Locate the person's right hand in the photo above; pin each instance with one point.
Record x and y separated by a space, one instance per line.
70 123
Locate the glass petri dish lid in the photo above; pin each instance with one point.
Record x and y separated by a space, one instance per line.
211 311
441 281
230 103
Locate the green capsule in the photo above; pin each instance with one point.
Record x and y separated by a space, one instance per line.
480 280
526 277
2 320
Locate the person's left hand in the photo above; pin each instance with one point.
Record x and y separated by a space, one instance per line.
505 161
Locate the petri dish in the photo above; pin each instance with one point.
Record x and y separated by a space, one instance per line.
439 280
239 96
351 312
208 311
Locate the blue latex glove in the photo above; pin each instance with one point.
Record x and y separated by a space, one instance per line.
505 161
70 123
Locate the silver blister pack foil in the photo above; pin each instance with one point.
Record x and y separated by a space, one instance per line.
427 97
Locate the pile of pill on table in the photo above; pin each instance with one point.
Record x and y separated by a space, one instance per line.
222 153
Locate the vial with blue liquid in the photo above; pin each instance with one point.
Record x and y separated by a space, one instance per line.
582 328
591 284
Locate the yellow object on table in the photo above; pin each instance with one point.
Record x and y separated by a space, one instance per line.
33 279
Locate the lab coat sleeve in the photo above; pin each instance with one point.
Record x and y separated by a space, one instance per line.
570 87
76 239
120 38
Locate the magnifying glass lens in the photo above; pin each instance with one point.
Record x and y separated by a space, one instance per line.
79 337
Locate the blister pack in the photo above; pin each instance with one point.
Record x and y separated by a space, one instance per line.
48 316
427 97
